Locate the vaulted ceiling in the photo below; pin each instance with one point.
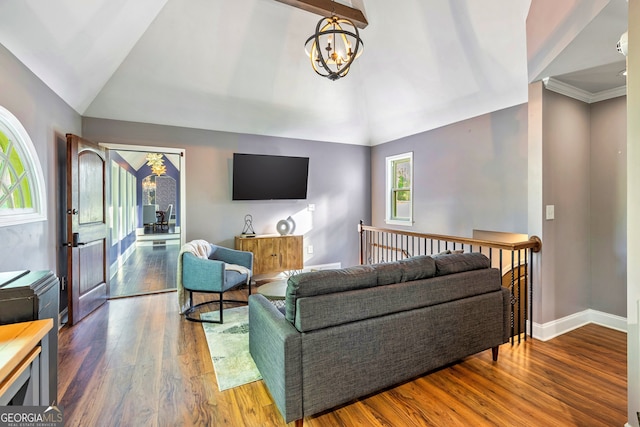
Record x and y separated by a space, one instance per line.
240 66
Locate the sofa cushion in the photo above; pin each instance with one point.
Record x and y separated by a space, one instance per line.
417 267
388 273
324 311
325 282
457 263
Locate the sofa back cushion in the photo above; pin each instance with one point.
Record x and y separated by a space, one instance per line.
337 308
417 267
457 263
325 282
359 277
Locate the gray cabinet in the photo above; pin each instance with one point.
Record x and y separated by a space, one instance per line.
33 295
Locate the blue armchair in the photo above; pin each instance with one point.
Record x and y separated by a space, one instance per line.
223 270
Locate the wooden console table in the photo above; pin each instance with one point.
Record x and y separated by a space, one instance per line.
273 253
24 362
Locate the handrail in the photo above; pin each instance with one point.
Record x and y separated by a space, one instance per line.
534 243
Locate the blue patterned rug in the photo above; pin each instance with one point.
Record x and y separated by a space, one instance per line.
229 348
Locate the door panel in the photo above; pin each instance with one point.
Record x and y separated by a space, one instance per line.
86 227
91 188
290 252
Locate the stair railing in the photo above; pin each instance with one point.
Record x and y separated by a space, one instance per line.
514 260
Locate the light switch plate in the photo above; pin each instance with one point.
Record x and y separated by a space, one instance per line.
551 214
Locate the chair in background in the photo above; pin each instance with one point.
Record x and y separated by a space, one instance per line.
149 215
223 270
166 217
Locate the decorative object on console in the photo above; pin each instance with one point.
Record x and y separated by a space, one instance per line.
247 231
286 226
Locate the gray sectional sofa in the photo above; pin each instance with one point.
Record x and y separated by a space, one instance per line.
350 332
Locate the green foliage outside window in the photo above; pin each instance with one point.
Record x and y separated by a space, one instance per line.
15 189
399 175
402 173
22 187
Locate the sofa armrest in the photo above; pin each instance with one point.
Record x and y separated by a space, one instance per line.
233 256
276 347
201 274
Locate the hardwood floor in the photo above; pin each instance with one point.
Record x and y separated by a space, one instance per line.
149 269
136 362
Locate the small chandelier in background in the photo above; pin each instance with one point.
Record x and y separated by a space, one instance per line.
156 162
332 48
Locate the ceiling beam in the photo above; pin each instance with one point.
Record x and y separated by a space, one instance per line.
327 8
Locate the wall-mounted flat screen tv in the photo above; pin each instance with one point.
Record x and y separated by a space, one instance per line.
266 177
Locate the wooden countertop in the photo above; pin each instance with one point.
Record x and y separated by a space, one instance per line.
17 341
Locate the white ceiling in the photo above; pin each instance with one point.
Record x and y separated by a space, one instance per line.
239 65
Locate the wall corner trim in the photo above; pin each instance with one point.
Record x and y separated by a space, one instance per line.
549 330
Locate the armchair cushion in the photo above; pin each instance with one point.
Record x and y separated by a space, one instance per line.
209 275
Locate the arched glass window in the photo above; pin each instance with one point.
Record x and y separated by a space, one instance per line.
22 190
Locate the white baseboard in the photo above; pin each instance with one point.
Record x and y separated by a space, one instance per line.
158 239
549 330
162 242
318 267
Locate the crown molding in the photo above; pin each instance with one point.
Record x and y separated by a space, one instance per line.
611 93
580 94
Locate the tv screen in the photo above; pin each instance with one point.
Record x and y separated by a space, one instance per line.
265 177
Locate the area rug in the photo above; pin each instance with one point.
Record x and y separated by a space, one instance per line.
229 348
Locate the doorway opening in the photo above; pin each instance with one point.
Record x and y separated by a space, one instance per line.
145 196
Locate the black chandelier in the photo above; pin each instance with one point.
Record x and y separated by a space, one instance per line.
342 46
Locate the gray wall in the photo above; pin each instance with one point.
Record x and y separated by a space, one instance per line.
46 118
339 185
473 174
565 289
468 175
608 206
584 177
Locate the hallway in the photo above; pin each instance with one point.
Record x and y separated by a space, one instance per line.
150 269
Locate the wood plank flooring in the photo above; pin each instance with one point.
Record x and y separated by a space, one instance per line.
136 362
149 269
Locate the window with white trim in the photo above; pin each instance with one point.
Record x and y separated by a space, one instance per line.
399 189
22 189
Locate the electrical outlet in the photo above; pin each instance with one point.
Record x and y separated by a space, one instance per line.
311 207
310 249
